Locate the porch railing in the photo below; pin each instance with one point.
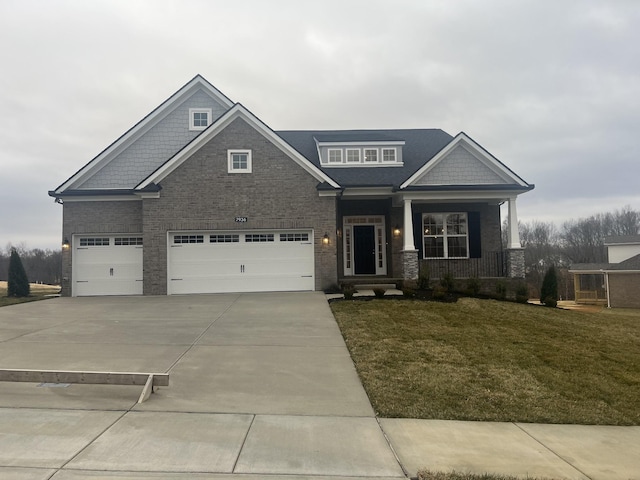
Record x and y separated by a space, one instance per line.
490 264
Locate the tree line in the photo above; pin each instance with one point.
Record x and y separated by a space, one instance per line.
41 266
575 241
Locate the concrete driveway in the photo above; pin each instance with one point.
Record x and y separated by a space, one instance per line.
260 384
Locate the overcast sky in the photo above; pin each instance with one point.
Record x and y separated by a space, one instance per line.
550 87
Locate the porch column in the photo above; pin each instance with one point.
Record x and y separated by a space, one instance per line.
515 252
408 227
410 266
513 240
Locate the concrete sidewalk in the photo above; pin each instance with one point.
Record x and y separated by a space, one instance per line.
262 385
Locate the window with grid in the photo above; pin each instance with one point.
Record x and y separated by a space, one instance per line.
446 235
259 237
199 118
125 241
388 154
224 238
335 156
370 155
188 239
294 237
353 155
239 161
94 242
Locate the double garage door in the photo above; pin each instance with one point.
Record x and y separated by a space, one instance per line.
264 261
198 262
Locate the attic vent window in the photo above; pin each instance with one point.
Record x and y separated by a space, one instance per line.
199 118
239 161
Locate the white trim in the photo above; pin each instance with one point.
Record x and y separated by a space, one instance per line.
329 150
444 235
351 150
395 156
379 238
361 144
477 151
193 111
230 167
101 198
238 111
137 131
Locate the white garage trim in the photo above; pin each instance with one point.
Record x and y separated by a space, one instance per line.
240 261
107 264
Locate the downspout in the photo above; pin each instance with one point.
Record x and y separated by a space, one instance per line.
606 282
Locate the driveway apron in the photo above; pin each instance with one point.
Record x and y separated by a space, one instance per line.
259 384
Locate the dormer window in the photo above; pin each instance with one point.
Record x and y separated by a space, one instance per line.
365 154
199 118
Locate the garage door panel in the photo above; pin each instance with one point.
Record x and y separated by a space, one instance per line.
254 262
107 268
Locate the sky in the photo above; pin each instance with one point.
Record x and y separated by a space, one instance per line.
549 87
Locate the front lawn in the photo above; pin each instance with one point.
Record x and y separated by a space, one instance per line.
495 361
38 292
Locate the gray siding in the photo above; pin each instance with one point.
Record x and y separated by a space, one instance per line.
201 195
156 146
460 167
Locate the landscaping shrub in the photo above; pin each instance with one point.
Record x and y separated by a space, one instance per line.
423 279
447 282
473 286
18 285
522 293
501 290
379 292
408 291
348 290
549 289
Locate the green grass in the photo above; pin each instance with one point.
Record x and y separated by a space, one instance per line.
38 292
495 361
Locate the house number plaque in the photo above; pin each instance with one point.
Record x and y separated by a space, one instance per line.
242 219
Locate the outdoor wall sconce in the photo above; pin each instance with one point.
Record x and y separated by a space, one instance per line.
65 244
325 239
396 231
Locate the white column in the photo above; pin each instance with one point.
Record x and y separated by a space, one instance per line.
408 227
514 234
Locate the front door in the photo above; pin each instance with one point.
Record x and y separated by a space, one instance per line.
364 245
364 249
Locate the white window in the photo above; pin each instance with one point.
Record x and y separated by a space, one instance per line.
370 155
239 161
353 155
445 235
199 118
94 242
335 155
388 154
188 239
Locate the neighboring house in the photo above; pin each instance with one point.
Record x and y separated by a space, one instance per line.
617 283
202 197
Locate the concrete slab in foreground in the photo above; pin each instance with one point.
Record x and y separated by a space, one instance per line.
305 445
473 447
601 452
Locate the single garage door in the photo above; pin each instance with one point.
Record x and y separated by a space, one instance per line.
218 262
107 265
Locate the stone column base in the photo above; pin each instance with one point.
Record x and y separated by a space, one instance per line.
515 262
410 265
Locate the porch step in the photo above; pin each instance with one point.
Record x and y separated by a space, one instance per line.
372 286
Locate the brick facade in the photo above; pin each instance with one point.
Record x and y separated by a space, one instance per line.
201 195
624 290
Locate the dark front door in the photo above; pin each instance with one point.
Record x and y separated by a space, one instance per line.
364 250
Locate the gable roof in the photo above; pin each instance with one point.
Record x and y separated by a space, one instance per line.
622 240
237 111
499 170
138 130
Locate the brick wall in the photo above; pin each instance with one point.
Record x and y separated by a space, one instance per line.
201 195
624 290
96 217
